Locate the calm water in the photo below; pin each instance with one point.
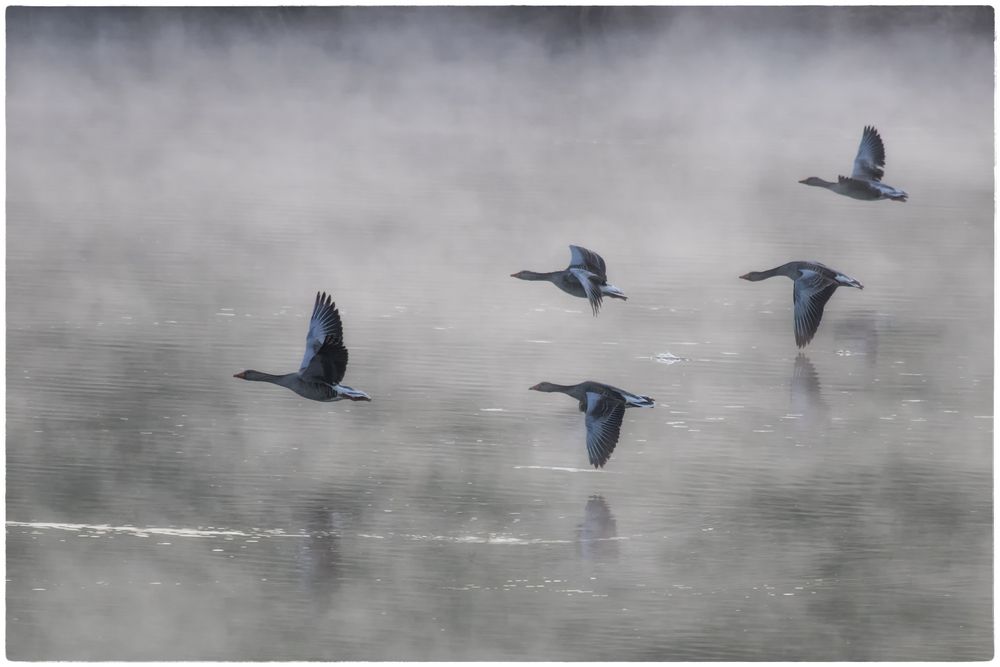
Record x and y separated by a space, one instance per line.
174 204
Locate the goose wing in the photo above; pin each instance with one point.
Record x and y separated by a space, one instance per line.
589 260
871 156
591 285
805 379
604 422
810 293
325 359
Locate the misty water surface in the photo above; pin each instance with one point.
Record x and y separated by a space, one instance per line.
179 186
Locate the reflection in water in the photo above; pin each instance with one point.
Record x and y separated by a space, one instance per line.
806 398
597 535
318 557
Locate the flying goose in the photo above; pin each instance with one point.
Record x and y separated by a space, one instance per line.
324 363
585 277
814 284
865 181
604 406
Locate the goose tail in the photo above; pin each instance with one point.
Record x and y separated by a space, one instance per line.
848 281
351 393
614 292
639 401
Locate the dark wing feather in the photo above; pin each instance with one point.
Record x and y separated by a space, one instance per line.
871 156
809 294
591 287
325 359
329 365
604 422
589 260
804 375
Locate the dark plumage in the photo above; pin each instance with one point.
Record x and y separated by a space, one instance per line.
814 284
604 407
585 277
324 363
865 181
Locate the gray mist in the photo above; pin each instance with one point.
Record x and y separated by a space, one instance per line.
181 182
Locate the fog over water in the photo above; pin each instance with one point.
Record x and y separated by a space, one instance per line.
180 184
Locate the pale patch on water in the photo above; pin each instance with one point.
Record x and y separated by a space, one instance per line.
491 538
561 469
103 529
503 539
668 358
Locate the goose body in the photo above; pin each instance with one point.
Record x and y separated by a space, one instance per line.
604 407
324 362
865 181
585 277
813 285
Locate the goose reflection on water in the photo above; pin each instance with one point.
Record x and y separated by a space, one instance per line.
319 556
596 537
806 397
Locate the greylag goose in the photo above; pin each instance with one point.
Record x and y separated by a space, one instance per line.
814 284
604 406
865 181
585 277
324 363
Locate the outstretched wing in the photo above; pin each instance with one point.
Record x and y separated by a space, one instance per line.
871 156
809 294
589 260
591 285
604 422
325 359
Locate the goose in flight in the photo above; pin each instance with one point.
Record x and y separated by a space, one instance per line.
604 407
324 363
585 277
865 181
814 284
